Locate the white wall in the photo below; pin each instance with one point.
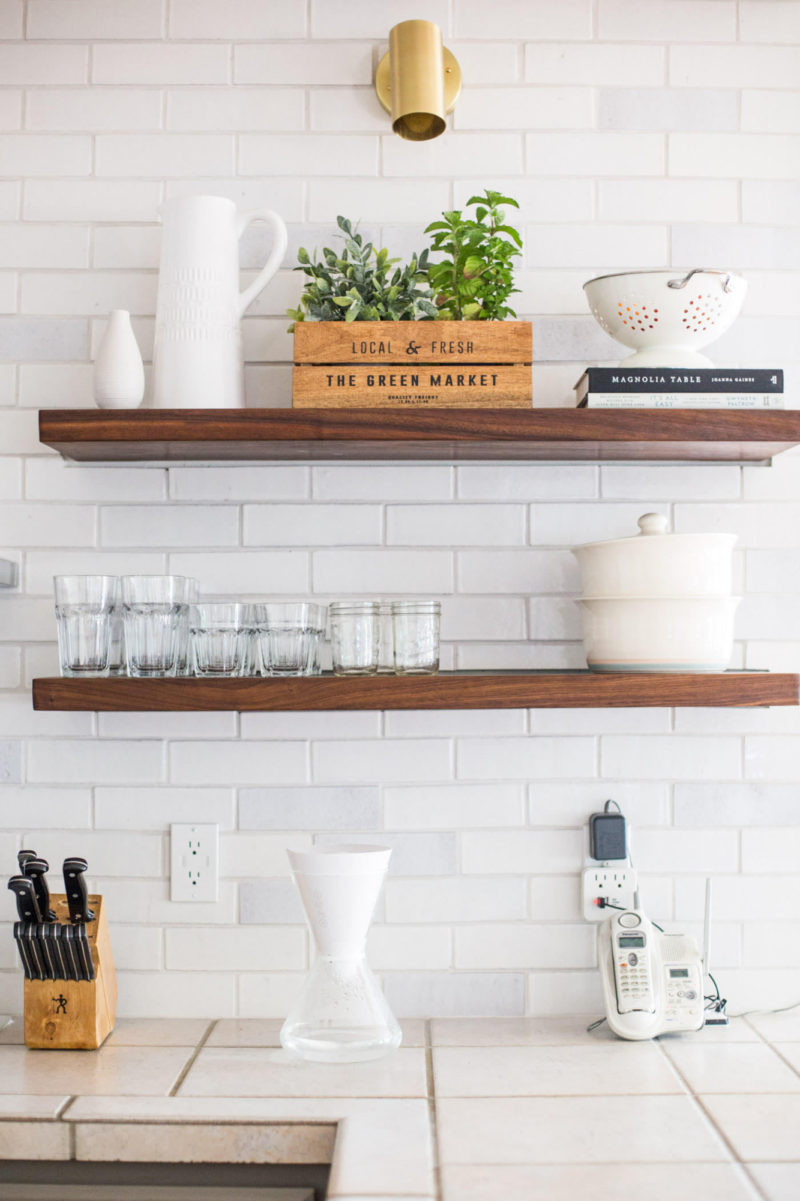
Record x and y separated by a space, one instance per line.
635 134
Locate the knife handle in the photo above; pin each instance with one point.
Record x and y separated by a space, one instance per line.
27 906
35 953
45 954
75 888
23 857
68 953
56 953
36 870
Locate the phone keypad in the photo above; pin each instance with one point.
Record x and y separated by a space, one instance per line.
634 984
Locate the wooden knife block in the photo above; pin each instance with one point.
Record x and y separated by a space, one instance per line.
75 1015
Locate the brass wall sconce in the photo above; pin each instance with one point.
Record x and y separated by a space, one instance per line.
418 81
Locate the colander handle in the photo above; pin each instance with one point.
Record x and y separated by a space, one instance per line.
727 286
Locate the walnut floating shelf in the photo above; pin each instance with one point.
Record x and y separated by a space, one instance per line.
448 690
443 434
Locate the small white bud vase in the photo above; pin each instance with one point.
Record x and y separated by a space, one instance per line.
118 368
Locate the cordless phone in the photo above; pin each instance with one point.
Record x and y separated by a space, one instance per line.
652 982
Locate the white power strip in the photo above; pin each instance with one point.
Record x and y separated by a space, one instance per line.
615 885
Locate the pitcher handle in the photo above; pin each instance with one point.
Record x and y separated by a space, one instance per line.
275 259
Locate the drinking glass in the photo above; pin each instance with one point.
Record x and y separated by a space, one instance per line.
220 637
416 636
183 664
289 635
84 614
355 630
385 639
154 607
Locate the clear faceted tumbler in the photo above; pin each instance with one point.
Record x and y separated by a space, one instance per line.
84 615
154 612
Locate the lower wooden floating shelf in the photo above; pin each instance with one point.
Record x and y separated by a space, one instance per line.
447 690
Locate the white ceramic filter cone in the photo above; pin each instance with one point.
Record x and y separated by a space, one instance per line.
341 1015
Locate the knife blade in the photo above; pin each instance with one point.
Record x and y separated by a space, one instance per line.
84 951
36 870
27 906
23 857
75 888
54 943
45 953
23 950
69 953
34 953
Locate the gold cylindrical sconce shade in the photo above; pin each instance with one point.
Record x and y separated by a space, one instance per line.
418 81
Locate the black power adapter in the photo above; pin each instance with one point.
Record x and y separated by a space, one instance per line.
607 835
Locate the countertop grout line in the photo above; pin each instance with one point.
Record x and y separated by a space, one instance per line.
184 1072
714 1125
432 1115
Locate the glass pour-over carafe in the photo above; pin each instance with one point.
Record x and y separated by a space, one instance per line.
341 1015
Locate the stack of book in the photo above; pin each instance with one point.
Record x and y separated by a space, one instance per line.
680 388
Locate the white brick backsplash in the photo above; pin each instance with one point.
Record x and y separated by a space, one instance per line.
682 758
163 525
237 763
458 806
457 899
295 525
159 64
771 112
767 944
156 808
667 109
750 66
526 946
525 108
341 62
668 20
597 154
238 20
244 108
765 156
272 947
450 994
521 852
95 762
157 155
600 245
378 572
88 19
26 63
669 200
33 154
616 126
93 109
461 525
309 154
309 808
372 760
548 62
277 573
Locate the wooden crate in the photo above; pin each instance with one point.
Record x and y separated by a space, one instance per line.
439 364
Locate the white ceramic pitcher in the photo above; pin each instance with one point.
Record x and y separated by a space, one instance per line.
197 356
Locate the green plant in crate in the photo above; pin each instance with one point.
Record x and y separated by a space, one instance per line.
476 277
362 284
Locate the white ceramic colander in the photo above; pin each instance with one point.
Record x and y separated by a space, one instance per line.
664 317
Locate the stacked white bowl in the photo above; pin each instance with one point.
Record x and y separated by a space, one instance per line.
658 601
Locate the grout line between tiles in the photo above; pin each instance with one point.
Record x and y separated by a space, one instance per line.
184 1072
431 1090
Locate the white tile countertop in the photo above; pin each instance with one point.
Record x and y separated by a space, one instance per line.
479 1109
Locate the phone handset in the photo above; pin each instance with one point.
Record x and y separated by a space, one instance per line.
634 956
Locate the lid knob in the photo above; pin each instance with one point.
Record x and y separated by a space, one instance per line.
653 523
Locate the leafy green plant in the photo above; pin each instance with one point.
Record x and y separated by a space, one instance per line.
360 285
475 278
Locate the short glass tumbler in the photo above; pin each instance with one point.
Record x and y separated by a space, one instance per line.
355 637
220 638
84 616
183 662
289 637
416 636
154 610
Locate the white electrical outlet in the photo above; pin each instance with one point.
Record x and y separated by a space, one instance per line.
615 884
194 862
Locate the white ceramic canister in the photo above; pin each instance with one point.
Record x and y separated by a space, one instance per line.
655 563
691 633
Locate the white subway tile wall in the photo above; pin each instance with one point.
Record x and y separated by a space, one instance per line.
634 134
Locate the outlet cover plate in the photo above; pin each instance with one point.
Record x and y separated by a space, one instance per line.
616 884
194 862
